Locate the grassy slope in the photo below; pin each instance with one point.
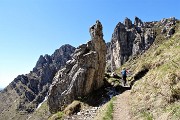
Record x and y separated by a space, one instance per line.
42 113
9 105
156 95
106 112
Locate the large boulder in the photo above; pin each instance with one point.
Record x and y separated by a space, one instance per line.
81 75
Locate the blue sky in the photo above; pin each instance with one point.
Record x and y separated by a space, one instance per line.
30 28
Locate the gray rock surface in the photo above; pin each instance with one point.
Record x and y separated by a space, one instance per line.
81 75
27 91
108 57
138 22
130 40
128 23
85 114
167 26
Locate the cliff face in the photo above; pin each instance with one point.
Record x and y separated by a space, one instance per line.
31 89
108 57
130 39
81 75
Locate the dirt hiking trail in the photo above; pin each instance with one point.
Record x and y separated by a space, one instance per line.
121 107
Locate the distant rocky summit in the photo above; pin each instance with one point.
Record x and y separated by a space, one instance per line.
81 75
27 91
130 39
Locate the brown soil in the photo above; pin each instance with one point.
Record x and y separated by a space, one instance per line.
121 107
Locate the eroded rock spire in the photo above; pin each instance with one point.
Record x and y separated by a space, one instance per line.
81 75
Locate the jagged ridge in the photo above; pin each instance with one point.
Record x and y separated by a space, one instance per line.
29 90
129 40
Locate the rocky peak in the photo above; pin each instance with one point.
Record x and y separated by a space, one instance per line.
122 43
62 51
43 60
61 55
96 30
138 22
128 23
120 26
167 26
81 75
31 89
129 39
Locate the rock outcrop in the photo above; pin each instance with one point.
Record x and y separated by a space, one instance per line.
81 75
121 44
167 26
27 91
108 57
130 40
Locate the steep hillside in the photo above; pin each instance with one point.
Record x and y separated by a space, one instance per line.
155 83
23 95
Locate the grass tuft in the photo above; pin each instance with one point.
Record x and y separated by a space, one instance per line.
57 116
147 116
174 110
109 112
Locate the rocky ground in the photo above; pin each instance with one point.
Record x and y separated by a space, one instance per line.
85 114
90 112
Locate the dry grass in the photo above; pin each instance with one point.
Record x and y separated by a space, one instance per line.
42 113
160 87
106 112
